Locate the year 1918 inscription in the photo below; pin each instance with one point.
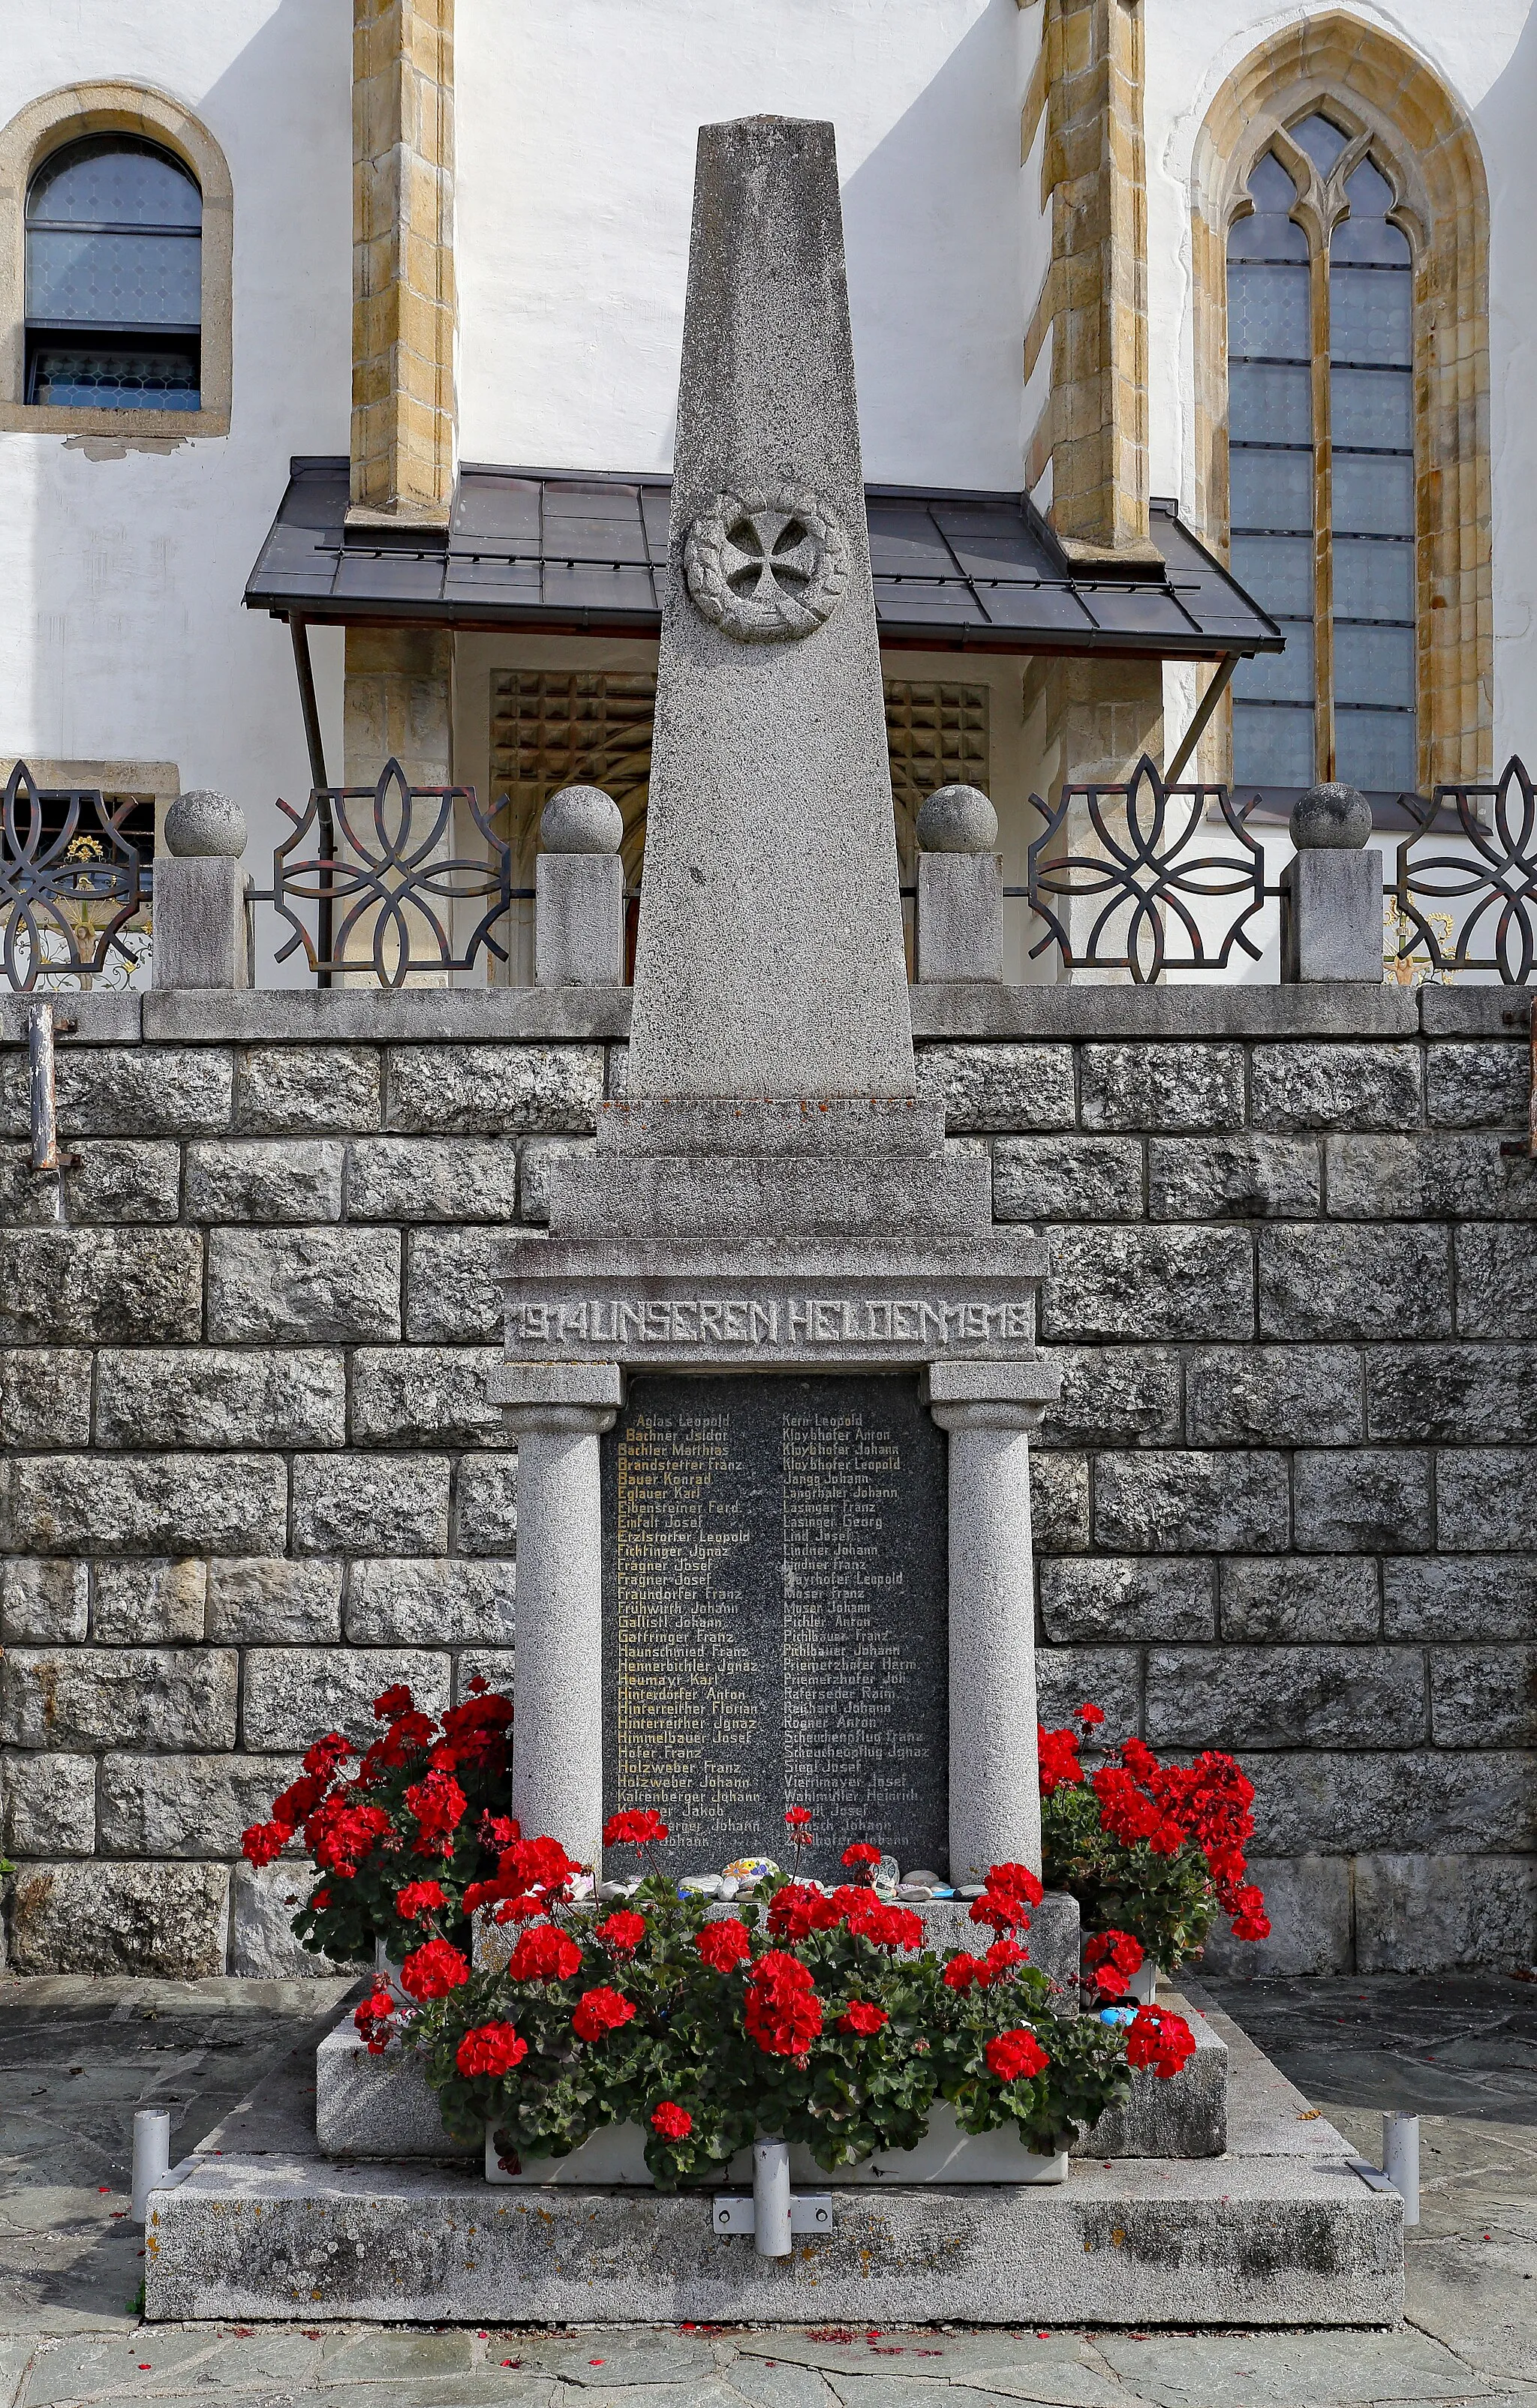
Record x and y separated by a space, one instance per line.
775 1615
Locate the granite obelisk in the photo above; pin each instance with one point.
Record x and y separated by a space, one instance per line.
769 959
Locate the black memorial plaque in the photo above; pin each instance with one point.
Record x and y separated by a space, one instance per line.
775 1574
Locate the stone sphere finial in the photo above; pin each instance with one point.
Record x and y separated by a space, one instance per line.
204 822
957 819
1330 817
581 819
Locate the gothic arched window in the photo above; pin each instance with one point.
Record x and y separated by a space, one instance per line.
114 279
1321 466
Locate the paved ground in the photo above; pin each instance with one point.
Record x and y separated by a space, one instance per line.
78 2056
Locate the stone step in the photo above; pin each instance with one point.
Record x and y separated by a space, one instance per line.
1264 2240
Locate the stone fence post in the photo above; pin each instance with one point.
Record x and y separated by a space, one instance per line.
579 881
200 896
559 1411
1331 892
960 888
989 1410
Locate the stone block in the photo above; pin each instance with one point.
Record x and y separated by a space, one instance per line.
45 1600
1068 1179
123 1179
100 1286
1484 1696
27 1196
1245 1177
1059 1502
1427 1176
1433 1913
49 1804
187 1805
1322 1281
45 1397
1286 1696
118 1696
1496 1281
432 1179
1477 1086
1274 1395
264 1179
149 1601
202 939
147 1504
1115 1395
1308 1902
1190 1501
1110 1677
294 1694
359 1504
1362 1498
163 1919
496 1089
1303 1086
485 1505
263 1901
578 920
438 1395
1162 1086
221 1396
497 1666
1487 1499
1139 1283
1456 1393
1331 916
1106 1598
397 1601
538 1157
273 1599
998 1087
302 1287
284 1090
1460 1597
451 1295
1271 1602
1470 1803
131 1091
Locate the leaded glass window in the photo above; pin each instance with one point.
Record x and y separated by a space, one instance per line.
114 279
1321 461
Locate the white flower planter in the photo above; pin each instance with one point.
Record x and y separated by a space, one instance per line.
614 2158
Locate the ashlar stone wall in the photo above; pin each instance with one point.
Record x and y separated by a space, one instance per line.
1288 1505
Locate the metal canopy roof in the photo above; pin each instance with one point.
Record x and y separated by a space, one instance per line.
584 553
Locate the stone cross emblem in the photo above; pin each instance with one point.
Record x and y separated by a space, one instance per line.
766 567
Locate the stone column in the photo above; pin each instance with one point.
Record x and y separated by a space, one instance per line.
578 916
1331 892
989 1410
557 1412
200 896
961 887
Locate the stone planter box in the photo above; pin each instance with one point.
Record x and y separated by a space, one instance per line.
616 2157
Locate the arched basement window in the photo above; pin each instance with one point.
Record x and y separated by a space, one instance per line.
1321 468
114 279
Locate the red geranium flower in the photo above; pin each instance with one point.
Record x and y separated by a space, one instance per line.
1113 1956
1015 1881
435 1968
491 2049
1015 2056
393 1702
622 1932
419 1898
372 2019
1160 2039
672 2122
862 2016
1089 1713
636 1827
323 1754
439 1806
781 2012
861 1852
798 1818
264 1840
543 1954
963 1973
798 1910
601 2011
1058 1752
725 1944
885 1927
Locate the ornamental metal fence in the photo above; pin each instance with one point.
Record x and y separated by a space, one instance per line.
392 883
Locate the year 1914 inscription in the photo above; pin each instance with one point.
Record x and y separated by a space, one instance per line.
775 1624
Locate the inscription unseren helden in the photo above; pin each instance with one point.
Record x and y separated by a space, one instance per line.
771 1321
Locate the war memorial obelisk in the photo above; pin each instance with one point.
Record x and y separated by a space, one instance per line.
772 1374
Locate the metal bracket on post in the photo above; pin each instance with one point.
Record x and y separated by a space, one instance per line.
810 2210
42 1028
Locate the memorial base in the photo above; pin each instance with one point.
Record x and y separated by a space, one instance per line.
1277 2231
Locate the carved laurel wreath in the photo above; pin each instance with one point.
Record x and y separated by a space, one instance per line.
766 567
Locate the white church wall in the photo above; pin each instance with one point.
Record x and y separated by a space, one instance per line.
121 630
